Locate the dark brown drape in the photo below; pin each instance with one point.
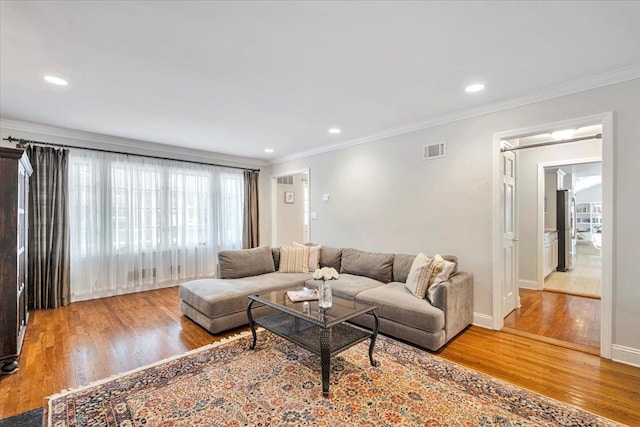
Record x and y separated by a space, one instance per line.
49 284
251 229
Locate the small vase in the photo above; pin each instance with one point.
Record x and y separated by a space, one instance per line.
325 300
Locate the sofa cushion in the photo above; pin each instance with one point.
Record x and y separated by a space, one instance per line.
348 285
395 302
369 264
330 257
247 262
418 279
294 260
275 253
402 265
217 297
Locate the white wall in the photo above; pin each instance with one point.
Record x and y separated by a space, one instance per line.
385 198
527 191
591 194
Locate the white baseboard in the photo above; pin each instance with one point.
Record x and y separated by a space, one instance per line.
528 284
483 320
627 355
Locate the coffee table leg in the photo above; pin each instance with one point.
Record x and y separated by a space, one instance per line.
325 359
252 325
374 335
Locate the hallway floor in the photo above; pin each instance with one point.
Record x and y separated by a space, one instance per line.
568 318
584 279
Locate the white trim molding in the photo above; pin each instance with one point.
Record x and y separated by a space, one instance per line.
116 143
482 320
528 284
626 355
592 82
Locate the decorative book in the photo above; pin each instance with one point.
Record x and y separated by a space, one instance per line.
303 295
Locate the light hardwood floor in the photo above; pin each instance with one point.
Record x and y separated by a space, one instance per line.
91 340
583 279
569 318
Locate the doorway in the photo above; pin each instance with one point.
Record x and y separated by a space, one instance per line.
290 207
530 235
583 279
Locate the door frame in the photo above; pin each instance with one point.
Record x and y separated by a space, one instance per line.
274 200
608 215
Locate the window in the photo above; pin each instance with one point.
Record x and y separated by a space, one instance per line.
138 222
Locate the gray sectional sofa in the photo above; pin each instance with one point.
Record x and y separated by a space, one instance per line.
377 278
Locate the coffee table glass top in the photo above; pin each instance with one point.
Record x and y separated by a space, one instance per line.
342 309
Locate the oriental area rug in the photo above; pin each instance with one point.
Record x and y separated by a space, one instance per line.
278 383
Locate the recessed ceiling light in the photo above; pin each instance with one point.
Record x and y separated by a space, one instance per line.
56 80
334 130
268 150
476 87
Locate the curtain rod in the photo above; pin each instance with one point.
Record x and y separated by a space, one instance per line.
23 142
543 144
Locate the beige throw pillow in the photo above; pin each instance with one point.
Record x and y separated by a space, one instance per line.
440 272
314 255
442 269
294 260
418 279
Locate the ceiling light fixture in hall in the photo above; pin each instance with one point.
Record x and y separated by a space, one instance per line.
563 134
476 87
56 80
268 150
334 130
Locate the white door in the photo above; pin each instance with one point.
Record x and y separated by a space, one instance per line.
509 238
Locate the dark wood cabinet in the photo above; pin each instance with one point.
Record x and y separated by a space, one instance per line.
15 170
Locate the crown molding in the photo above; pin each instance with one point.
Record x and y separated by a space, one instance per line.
133 146
592 82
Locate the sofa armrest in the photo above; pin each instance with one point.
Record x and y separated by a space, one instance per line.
455 298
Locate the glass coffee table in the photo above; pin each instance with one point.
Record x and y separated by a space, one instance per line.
323 331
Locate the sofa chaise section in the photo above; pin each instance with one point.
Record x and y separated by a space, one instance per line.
221 304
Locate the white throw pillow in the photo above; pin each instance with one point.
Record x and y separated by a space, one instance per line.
294 260
440 272
418 279
314 255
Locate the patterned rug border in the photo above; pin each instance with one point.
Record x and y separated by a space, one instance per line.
241 335
69 391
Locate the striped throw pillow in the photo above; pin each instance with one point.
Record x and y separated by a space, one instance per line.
294 260
314 255
418 279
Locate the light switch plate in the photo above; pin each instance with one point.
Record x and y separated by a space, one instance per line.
314 215
326 198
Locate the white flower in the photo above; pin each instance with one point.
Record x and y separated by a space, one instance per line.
326 273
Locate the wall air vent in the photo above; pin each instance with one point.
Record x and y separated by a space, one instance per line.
434 151
288 180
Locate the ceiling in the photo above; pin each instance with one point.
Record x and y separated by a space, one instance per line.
239 77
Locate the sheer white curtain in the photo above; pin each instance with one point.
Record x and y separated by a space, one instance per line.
138 223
